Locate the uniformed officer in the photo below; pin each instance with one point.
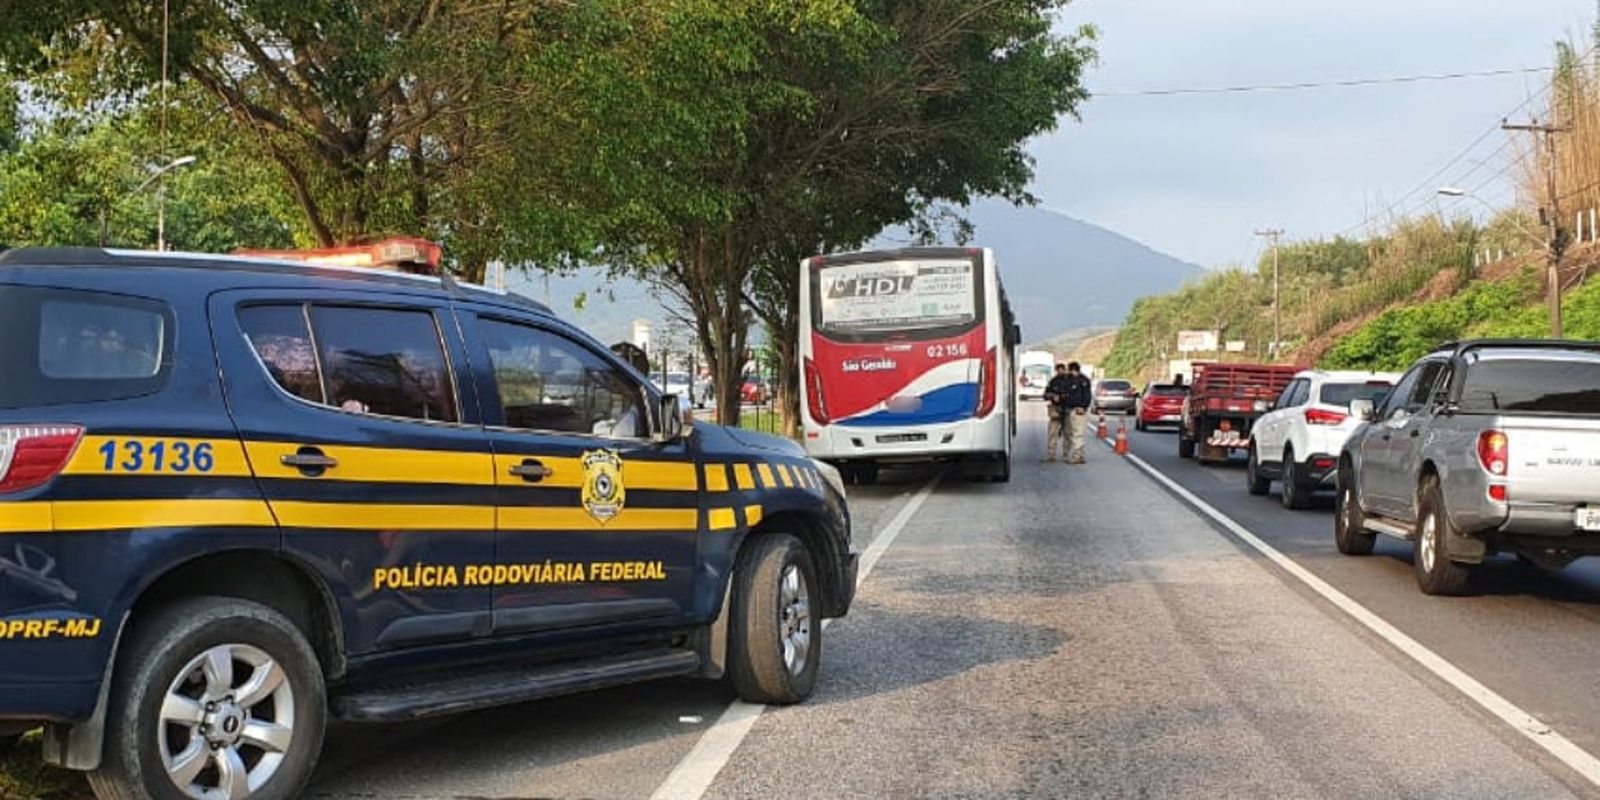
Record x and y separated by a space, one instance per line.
1055 393
1076 397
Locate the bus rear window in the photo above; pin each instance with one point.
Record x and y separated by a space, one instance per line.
65 346
890 296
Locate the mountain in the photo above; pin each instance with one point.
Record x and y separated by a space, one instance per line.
1061 274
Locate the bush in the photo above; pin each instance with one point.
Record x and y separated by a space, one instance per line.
1400 336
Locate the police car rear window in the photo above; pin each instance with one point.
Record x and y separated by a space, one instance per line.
70 346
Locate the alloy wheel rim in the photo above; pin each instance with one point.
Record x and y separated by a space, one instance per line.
1347 513
794 619
223 731
1430 532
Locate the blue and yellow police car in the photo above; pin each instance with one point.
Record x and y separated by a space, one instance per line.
240 496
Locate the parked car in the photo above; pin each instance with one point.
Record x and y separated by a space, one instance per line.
1161 404
1114 394
1297 443
754 391
1482 447
678 383
242 497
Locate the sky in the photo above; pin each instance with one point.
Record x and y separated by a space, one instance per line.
1194 176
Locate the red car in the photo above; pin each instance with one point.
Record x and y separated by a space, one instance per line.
754 391
1161 404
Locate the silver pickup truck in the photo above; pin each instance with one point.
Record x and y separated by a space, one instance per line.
1482 447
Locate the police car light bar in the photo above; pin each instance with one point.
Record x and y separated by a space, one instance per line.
399 254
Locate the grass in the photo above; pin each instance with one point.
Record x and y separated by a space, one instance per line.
766 422
24 776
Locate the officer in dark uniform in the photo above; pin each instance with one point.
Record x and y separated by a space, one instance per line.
1077 395
1055 393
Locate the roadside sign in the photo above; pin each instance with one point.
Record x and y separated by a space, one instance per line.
1197 341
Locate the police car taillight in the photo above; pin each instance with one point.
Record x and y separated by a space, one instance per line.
30 455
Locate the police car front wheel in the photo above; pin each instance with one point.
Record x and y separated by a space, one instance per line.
775 636
215 698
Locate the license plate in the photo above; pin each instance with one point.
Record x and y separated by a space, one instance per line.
1588 519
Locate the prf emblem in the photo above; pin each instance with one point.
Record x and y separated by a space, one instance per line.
603 494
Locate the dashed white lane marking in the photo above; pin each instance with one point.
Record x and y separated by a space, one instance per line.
1575 757
690 779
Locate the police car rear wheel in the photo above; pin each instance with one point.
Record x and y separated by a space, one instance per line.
775 636
216 697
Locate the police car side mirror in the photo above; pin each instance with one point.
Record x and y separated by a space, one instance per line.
1362 410
671 416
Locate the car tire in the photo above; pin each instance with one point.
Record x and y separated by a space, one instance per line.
1350 535
1185 446
166 666
1436 573
1295 494
1255 483
774 635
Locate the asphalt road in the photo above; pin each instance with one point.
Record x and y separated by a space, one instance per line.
1077 632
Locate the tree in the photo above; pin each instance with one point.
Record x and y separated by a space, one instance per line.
440 118
854 117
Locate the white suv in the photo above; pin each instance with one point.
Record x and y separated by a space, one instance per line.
1297 443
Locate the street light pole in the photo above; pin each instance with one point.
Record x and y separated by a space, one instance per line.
1277 328
161 222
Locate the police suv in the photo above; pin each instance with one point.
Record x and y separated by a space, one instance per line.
240 496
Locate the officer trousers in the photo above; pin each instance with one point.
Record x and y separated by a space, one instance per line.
1077 426
1059 432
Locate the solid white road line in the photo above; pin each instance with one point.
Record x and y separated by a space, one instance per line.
694 774
1575 757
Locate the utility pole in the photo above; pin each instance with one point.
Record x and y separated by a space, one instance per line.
1277 327
1552 217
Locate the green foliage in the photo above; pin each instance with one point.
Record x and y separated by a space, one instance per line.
1398 337
1322 284
66 174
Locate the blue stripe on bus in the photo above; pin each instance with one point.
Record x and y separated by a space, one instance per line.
946 404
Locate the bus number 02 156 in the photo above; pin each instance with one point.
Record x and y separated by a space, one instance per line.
951 350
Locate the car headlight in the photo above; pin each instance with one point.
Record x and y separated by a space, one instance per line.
1262 405
830 473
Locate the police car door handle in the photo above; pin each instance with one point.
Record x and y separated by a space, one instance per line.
310 460
532 471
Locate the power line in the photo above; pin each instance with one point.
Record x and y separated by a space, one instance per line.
1456 159
1286 87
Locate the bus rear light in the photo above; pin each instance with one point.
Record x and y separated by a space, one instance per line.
986 383
1494 451
30 455
814 401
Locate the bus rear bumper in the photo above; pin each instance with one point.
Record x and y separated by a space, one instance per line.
909 444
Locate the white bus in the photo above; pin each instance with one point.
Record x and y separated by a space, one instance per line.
1035 368
908 356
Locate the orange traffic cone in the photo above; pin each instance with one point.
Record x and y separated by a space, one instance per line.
1121 446
1100 430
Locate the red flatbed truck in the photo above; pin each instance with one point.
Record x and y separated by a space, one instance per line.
1224 401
